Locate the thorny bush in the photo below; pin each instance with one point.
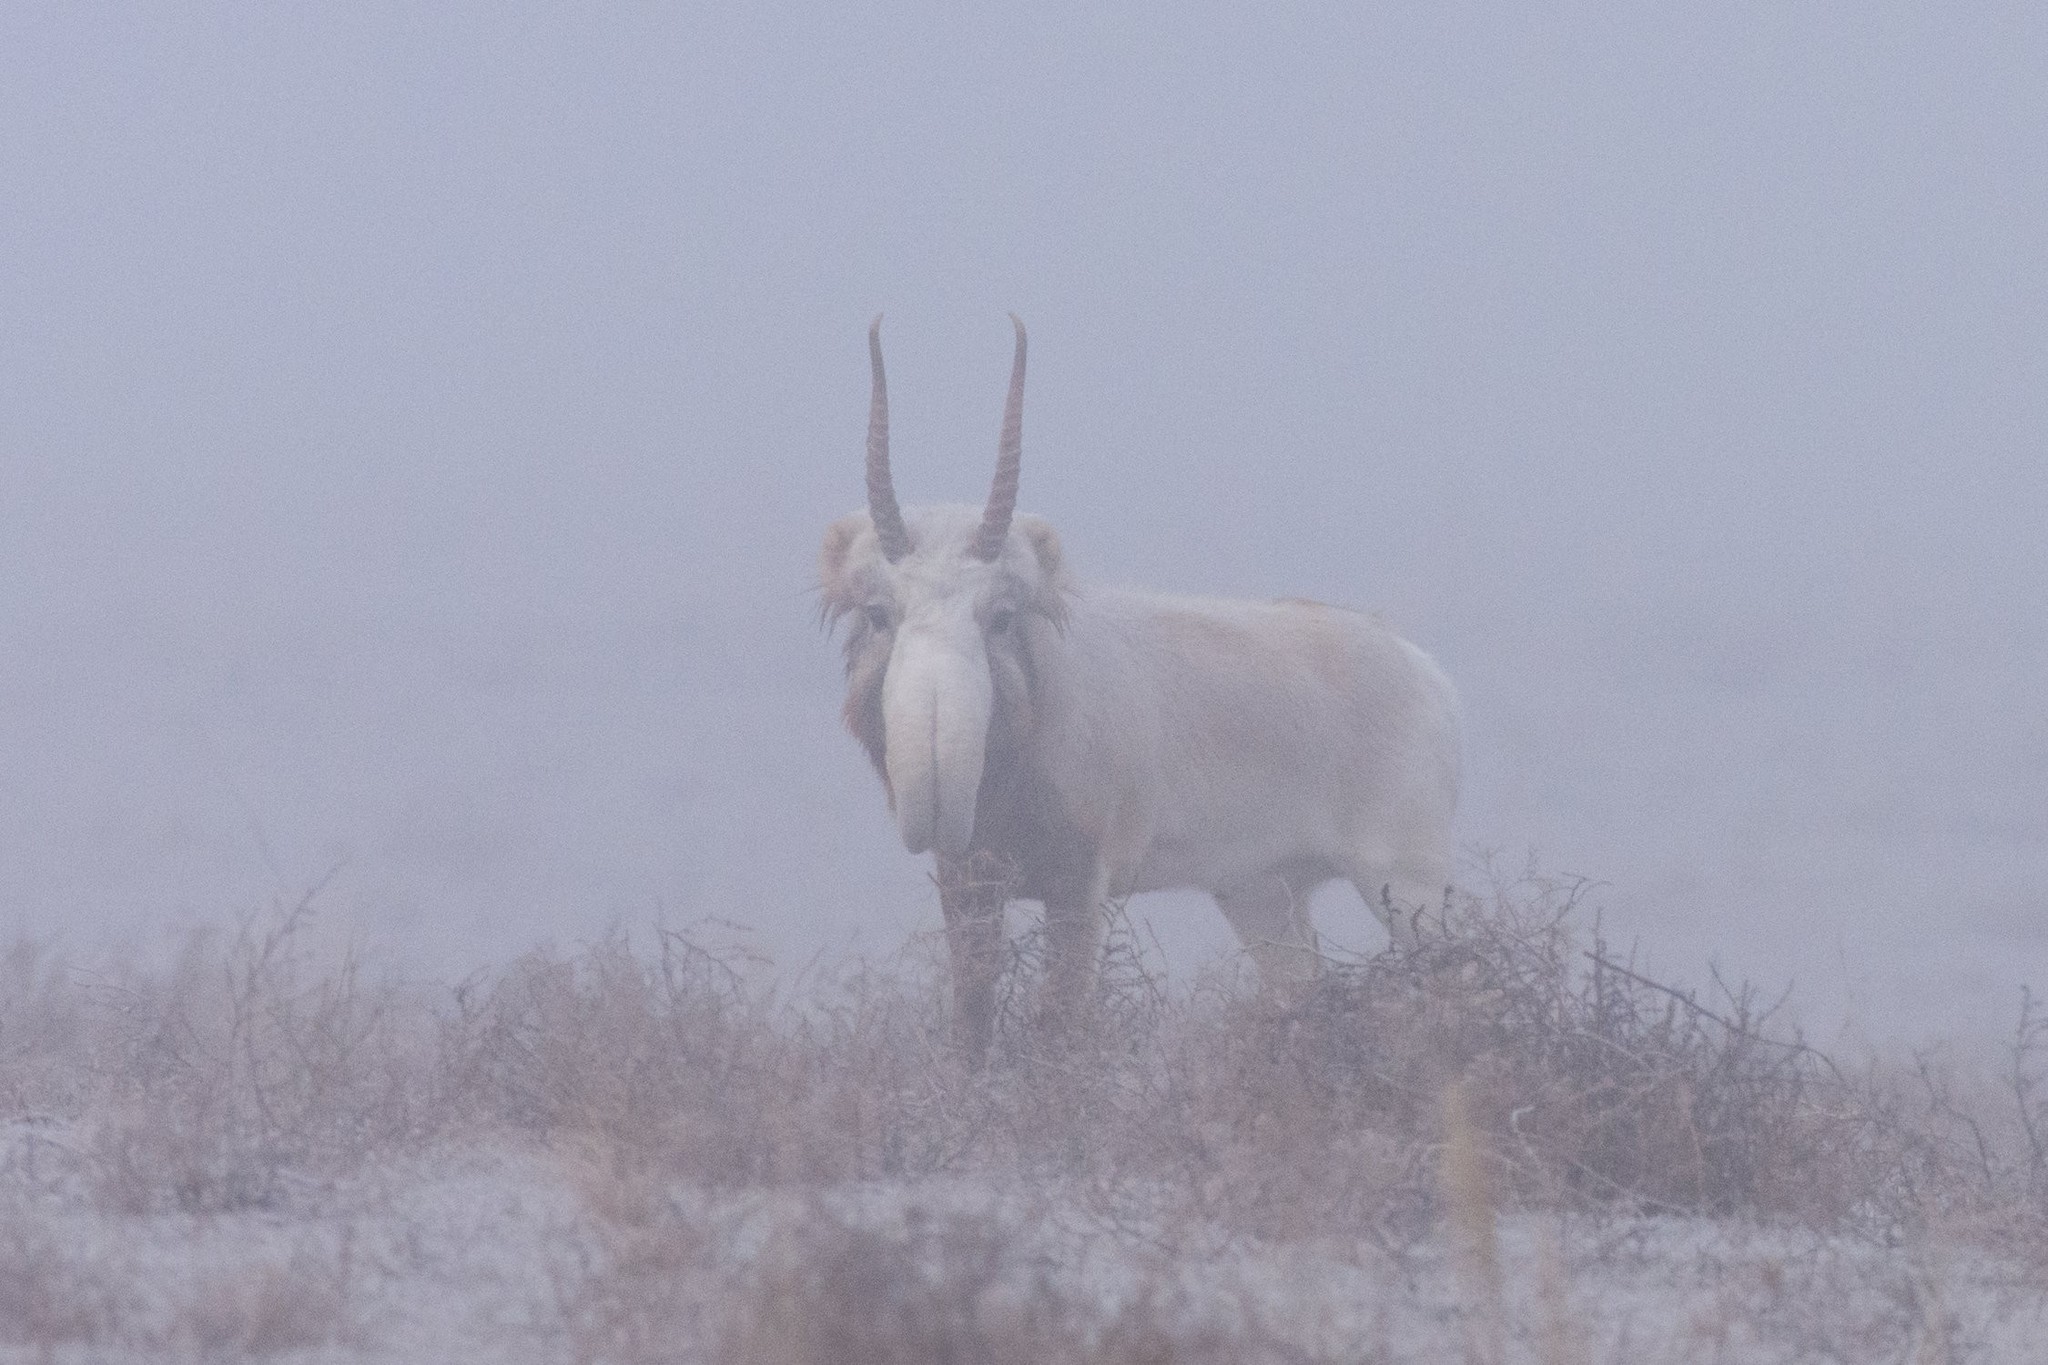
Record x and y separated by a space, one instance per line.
1590 1085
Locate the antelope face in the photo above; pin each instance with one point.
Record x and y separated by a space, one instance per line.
943 603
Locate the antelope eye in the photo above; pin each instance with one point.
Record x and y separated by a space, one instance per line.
878 617
999 621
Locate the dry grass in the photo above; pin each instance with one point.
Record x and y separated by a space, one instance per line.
264 1309
51 1295
55 1293
213 1081
1502 1065
957 1289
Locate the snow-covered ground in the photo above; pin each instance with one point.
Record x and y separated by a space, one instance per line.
502 1254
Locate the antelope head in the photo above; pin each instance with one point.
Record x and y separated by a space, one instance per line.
946 606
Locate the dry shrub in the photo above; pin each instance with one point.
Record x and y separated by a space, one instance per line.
55 1294
831 1291
679 1063
1586 1085
50 1294
43 1050
638 1290
1591 1086
267 1308
1967 1142
828 1289
963 1289
246 1062
1502 1062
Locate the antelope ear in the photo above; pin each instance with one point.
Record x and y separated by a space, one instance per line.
1052 570
835 584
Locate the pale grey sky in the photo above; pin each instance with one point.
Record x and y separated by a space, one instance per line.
416 423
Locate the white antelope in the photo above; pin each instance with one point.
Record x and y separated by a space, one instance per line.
1074 746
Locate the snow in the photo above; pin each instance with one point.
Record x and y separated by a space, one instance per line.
510 1253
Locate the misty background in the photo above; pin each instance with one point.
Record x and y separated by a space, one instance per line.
417 424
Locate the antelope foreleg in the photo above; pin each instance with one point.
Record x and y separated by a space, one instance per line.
972 893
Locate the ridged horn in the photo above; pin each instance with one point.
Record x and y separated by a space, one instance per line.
1002 496
882 507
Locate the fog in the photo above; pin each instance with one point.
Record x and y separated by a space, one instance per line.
417 424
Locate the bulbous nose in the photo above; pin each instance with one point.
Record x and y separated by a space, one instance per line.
936 700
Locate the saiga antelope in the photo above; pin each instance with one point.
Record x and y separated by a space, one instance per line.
1074 745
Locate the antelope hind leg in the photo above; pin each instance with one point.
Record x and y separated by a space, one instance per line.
1403 890
1271 919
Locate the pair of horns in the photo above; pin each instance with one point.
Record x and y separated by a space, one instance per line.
1002 496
